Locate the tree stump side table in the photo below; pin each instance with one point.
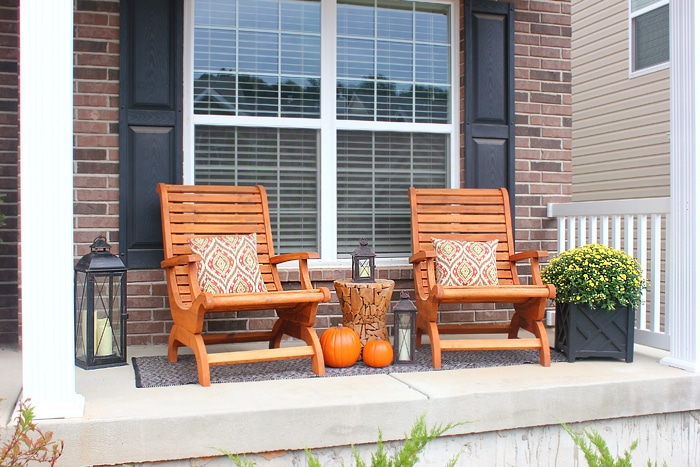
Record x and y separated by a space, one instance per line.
364 306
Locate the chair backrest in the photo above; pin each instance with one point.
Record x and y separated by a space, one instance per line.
209 210
471 214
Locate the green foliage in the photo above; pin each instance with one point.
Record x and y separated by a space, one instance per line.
406 456
596 275
595 449
28 443
237 459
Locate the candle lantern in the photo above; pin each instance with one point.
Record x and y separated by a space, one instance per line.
100 308
363 263
404 330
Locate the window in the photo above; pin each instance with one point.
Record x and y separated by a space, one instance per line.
649 35
335 106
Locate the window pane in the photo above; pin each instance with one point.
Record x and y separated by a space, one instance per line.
301 54
355 100
409 54
284 161
215 13
394 61
301 16
244 64
639 4
432 23
355 58
258 14
396 20
374 173
356 18
651 38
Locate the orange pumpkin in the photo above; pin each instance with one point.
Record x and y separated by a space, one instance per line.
378 353
341 346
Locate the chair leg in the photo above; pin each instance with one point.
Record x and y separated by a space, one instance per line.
173 344
277 333
200 353
310 336
525 317
541 333
179 337
431 330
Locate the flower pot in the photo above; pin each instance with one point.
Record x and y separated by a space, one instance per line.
581 331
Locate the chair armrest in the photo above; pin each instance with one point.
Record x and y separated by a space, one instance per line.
283 258
534 257
421 256
181 260
529 255
302 257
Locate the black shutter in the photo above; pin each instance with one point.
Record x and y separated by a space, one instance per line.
490 95
150 122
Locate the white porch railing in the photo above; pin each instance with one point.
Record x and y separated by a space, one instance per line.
636 226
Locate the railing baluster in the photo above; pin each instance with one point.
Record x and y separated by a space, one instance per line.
642 257
604 233
617 232
655 274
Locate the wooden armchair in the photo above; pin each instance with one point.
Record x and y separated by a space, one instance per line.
210 211
475 215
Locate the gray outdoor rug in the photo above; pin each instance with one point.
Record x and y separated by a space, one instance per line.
156 371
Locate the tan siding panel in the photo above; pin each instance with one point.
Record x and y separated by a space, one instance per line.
620 124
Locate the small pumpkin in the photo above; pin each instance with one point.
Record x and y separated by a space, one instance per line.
378 353
341 346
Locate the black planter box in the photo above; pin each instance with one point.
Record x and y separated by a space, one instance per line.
582 332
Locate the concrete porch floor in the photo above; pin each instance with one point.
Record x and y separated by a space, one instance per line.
123 424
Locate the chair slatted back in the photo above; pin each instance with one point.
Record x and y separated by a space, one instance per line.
208 210
467 214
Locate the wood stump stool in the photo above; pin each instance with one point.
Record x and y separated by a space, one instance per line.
364 306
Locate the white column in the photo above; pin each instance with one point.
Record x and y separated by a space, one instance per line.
46 207
683 281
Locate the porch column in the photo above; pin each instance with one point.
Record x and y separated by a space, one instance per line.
46 207
683 282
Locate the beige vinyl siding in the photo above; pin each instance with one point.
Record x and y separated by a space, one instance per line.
620 146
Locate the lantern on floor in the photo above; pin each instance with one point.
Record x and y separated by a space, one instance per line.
363 263
100 308
404 330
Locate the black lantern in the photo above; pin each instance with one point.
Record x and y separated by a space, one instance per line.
404 330
363 263
100 308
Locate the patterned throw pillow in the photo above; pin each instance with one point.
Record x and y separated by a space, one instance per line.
229 264
459 263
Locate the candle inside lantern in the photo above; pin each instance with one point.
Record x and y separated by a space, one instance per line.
103 337
404 340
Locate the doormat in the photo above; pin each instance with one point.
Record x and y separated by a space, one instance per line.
153 372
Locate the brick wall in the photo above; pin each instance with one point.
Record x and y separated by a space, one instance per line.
9 308
543 161
543 118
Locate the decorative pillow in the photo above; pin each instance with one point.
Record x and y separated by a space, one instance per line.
459 263
229 264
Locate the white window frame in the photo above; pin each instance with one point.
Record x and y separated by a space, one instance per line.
328 126
630 39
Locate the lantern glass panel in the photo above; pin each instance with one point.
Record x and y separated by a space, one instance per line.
364 268
81 307
404 336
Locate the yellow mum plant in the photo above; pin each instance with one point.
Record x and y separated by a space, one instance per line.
597 275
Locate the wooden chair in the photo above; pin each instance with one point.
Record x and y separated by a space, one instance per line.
202 211
474 215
